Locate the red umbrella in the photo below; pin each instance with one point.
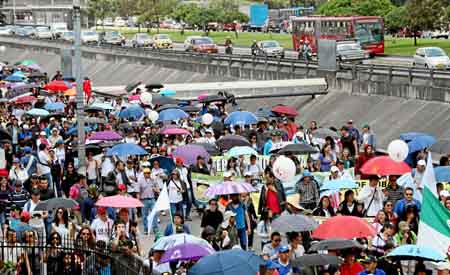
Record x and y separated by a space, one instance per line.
25 99
119 201
343 227
285 110
385 166
57 86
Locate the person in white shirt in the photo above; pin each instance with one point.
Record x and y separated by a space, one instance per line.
92 169
209 138
158 175
107 167
17 172
175 190
44 163
254 168
155 257
102 225
296 249
372 196
31 204
54 137
343 174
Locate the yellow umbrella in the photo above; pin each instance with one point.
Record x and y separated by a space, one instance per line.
71 92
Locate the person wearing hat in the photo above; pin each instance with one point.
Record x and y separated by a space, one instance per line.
102 225
408 200
17 172
23 226
42 139
417 177
185 176
200 166
18 196
367 137
271 268
54 137
308 189
146 189
334 173
283 261
372 196
227 233
370 266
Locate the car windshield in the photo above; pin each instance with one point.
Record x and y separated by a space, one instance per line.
142 36
4 28
114 35
200 41
89 33
369 32
434 52
270 44
162 36
348 47
68 34
42 29
60 28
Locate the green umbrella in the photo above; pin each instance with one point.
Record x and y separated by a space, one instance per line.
28 62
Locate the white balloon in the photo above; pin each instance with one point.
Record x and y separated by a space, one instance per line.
207 119
2 48
146 98
153 116
398 150
284 169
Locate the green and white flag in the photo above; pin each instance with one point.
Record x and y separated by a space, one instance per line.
434 226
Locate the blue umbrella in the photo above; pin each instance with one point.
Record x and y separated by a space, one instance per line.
411 135
132 112
339 184
165 163
421 142
15 78
241 118
104 106
442 173
228 262
54 106
19 73
167 92
415 252
241 151
172 114
38 112
74 130
264 112
126 149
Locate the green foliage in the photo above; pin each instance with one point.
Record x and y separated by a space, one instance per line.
126 8
101 9
425 14
356 7
155 10
396 19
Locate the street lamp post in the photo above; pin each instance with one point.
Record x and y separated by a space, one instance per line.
80 93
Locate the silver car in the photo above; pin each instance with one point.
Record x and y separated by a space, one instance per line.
43 33
432 58
350 51
270 48
141 40
89 37
6 30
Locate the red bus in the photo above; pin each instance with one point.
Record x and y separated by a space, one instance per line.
368 30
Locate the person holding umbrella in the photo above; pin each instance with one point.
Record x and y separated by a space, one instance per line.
370 267
243 224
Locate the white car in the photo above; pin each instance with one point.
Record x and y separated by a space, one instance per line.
270 48
440 34
43 33
89 37
6 30
432 58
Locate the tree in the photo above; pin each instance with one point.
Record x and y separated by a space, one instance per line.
100 9
396 19
126 8
152 11
356 7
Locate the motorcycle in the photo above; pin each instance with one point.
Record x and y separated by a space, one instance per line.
229 49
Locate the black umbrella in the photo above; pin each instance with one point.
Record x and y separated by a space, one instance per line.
213 98
316 260
325 132
95 149
190 109
36 74
93 109
163 100
168 106
441 147
210 148
154 86
4 134
130 87
334 244
293 222
229 141
298 149
56 203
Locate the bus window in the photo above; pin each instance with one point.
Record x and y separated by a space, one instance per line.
368 32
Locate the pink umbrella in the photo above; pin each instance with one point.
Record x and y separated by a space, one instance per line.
105 135
228 188
202 96
119 201
175 131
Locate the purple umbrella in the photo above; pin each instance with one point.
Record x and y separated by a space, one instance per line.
106 135
34 67
186 252
228 188
190 152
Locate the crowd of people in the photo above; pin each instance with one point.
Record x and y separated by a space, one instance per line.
39 162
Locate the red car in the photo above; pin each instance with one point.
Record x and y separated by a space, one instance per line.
200 45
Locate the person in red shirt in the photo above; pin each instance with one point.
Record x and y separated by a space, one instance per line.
272 196
87 88
350 266
291 127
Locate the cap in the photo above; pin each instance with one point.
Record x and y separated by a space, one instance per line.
59 142
283 249
25 215
35 191
272 265
350 121
226 217
306 173
227 174
27 149
344 128
294 201
444 193
101 211
122 187
147 170
179 161
422 163
334 169
248 174
369 259
366 126
42 133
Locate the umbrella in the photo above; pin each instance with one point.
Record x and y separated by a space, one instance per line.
158 99
25 99
4 134
298 149
166 243
57 86
384 166
414 252
325 132
56 203
74 130
131 124
132 112
186 252
213 98
37 112
93 109
175 131
190 152
335 244
130 87
241 118
241 151
165 163
442 146
36 75
105 136
190 109
70 92
228 188
421 142
69 78
101 105
134 98
168 106
227 142
54 106
94 120
210 148
154 86
15 78
94 149
339 184
316 260
34 67
126 149
276 147
442 173
292 222
411 135
27 62
167 92
264 113
228 262
119 201
338 227
172 114
285 110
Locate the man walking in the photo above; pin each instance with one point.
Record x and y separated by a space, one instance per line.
147 189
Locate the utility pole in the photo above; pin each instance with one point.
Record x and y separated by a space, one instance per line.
80 93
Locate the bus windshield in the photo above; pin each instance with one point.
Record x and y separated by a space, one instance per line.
369 32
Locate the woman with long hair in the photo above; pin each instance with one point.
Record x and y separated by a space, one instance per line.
326 159
363 158
379 221
62 225
386 235
85 238
411 216
324 209
233 168
53 255
388 208
70 177
348 205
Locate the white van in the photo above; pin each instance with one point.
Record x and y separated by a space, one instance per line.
57 29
